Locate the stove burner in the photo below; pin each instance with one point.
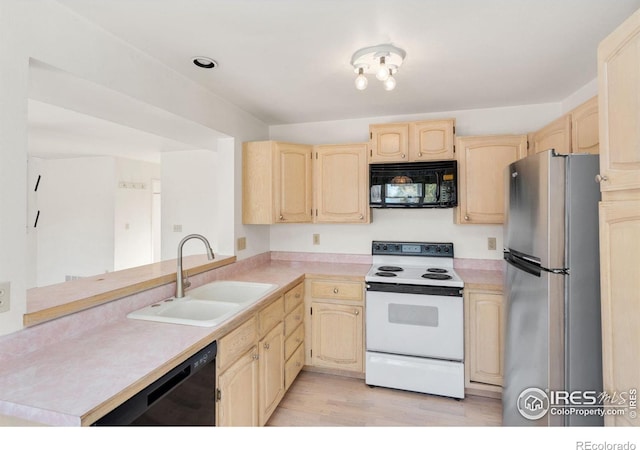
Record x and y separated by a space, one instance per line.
436 276
385 274
437 270
390 268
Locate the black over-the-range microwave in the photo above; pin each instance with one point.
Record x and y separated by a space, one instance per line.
430 184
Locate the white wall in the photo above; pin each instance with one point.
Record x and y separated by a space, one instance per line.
133 244
420 225
48 32
75 235
580 96
189 200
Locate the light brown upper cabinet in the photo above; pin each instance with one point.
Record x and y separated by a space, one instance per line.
584 128
556 135
276 182
619 104
341 183
412 141
481 164
575 132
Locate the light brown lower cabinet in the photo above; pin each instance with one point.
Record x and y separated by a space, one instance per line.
484 341
271 368
258 361
620 294
335 322
238 388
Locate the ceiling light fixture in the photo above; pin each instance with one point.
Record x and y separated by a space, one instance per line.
204 62
381 60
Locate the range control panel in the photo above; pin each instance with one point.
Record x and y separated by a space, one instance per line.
444 249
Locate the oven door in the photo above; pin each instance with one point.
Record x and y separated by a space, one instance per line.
415 324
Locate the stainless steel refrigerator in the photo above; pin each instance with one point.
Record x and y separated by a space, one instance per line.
552 290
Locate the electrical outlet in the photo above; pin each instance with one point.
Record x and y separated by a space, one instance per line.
5 296
316 239
491 243
242 243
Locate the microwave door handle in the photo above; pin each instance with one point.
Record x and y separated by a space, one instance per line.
438 187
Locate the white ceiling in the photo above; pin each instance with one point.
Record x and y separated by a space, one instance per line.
287 61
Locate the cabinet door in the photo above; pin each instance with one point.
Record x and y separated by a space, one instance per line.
486 337
431 140
271 364
389 142
337 340
620 294
238 392
341 183
556 135
481 164
584 128
293 199
619 107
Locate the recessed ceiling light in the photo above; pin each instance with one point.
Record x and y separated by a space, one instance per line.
204 62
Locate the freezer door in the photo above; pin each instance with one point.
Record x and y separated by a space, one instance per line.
535 208
534 347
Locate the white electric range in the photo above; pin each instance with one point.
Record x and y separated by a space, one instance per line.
414 319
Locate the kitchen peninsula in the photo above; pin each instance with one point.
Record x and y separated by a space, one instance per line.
72 378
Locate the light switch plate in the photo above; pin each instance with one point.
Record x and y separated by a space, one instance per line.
316 239
5 295
242 243
491 243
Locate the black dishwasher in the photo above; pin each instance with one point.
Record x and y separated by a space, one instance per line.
184 396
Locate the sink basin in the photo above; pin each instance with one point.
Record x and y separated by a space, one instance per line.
187 311
237 292
205 306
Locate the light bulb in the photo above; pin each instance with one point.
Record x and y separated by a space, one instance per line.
383 72
361 80
389 83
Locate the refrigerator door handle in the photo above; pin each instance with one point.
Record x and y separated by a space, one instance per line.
523 264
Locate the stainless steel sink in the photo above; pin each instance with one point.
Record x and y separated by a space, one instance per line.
205 306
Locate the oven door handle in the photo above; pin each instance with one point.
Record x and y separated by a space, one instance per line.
448 291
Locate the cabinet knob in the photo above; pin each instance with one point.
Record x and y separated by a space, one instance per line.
419 153
601 178
356 312
335 290
281 217
297 317
266 345
466 217
361 217
297 295
255 357
403 155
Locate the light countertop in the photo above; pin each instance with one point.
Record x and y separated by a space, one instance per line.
75 381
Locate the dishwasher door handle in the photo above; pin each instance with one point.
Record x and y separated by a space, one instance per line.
166 387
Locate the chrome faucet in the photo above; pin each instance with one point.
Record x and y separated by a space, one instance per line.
179 280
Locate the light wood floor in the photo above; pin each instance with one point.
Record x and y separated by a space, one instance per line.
317 399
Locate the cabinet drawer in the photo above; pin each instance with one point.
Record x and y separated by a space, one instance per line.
293 366
343 290
293 298
293 319
237 342
292 342
270 316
